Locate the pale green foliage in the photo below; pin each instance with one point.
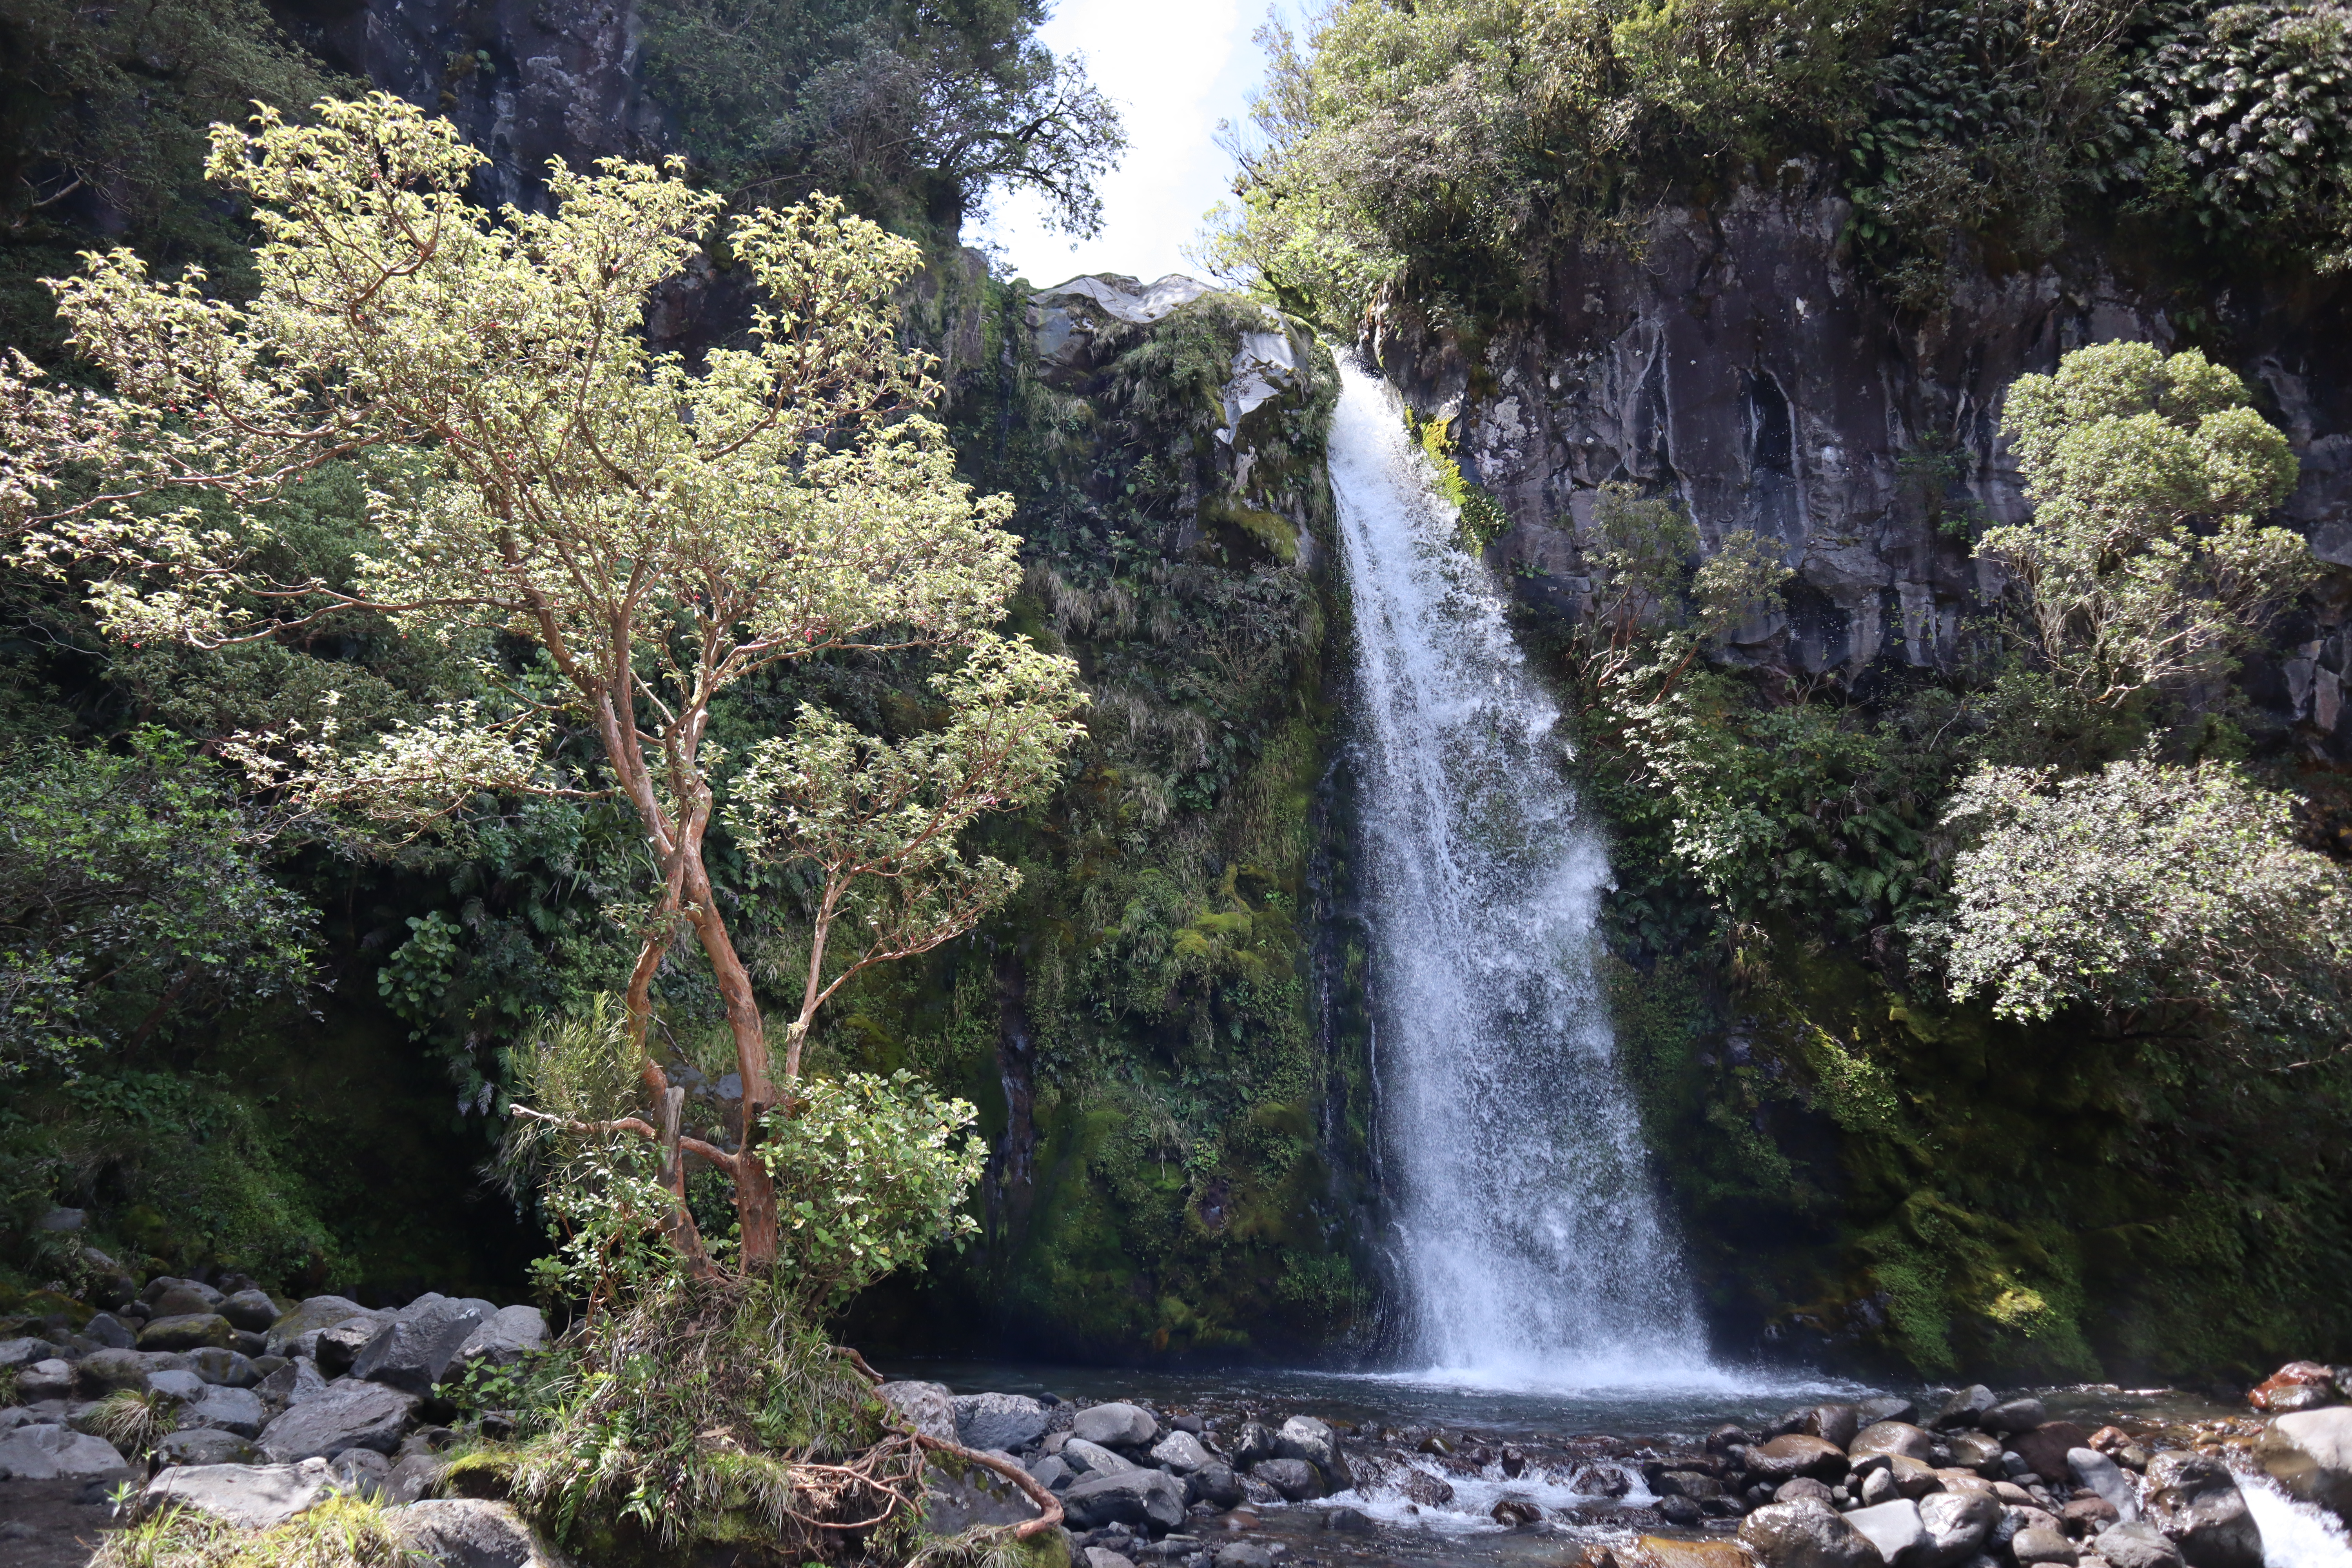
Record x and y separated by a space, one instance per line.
2146 887
878 821
870 1173
598 1182
1650 612
343 1531
2144 564
661 533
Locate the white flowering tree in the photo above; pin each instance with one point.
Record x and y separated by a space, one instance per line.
659 531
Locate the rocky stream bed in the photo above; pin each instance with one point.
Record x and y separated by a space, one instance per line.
278 1405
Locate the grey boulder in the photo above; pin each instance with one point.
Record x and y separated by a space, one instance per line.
338 1345
168 1298
250 1497
504 1337
2140 1546
1051 1471
175 1385
204 1445
2014 1416
313 1314
2196 1501
1295 1479
1093 1459
1304 1437
1151 1500
109 1332
1807 1534
1964 1408
1957 1525
415 1475
466 1533
251 1311
237 1410
927 1407
1117 1425
44 1452
2309 1454
18 1352
2033 1548
1006 1421
1182 1453
230 1369
102 1372
1892 1437
413 1350
1217 1484
50 1379
295 1383
957 1496
2094 1469
346 1414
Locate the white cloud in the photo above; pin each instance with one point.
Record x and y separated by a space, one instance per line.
1174 72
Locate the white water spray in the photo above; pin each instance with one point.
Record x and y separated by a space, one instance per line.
1530 1247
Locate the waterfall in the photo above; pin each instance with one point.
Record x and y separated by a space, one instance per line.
1528 1244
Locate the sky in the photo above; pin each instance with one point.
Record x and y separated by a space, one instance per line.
1174 72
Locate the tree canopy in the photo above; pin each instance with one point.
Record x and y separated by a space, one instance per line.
655 533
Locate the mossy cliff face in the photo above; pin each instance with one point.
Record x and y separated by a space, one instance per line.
1867 1174
1173 1120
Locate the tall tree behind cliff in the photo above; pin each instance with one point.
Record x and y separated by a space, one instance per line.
914 112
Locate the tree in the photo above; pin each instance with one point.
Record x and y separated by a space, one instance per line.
2144 564
917 111
2164 894
657 533
130 891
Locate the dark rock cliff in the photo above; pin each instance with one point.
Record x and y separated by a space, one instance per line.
1736 360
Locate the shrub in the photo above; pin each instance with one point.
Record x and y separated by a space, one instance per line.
2149 890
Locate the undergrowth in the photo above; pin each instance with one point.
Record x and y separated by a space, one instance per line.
342 1531
715 1414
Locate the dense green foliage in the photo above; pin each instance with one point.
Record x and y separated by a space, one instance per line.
917 112
1987 1018
1446 151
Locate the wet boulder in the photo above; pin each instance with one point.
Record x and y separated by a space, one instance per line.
1893 1437
1964 1408
1117 1425
1807 1534
2042 1549
2309 1454
1295 1479
2045 1448
1255 1442
1150 1500
1832 1423
927 1407
1894 1528
1006 1421
2298 1386
1885 1408
1957 1525
1182 1453
2195 1500
2094 1469
1786 1458
1304 1437
2014 1416
2140 1546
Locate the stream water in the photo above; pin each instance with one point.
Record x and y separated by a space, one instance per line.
1526 1241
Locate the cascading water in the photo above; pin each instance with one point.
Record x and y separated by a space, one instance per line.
1529 1244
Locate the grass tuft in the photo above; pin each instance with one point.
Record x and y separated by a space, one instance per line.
342 1531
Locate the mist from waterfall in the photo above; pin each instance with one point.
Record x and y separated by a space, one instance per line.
1527 1237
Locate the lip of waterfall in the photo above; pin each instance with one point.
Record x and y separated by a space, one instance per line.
1528 1245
